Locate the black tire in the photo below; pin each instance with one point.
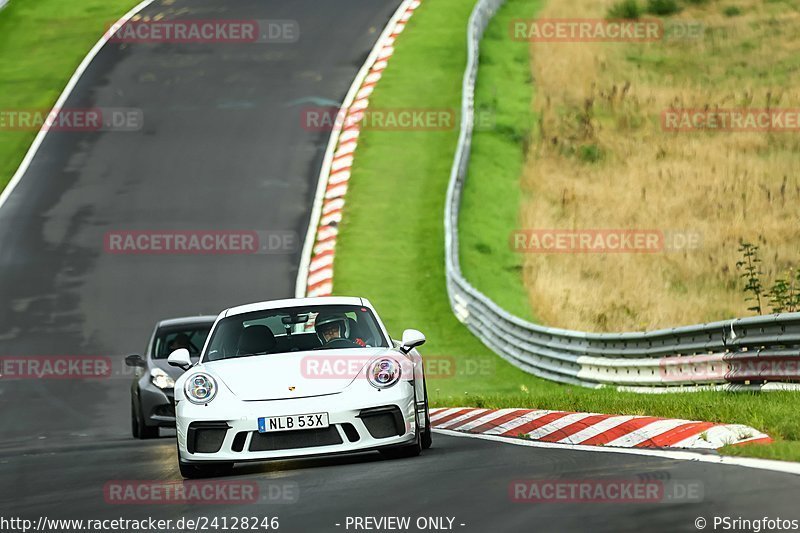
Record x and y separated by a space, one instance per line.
403 452
427 435
139 429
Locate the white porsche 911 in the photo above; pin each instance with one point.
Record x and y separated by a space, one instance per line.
296 378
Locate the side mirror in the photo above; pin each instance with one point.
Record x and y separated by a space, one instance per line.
411 339
135 360
180 358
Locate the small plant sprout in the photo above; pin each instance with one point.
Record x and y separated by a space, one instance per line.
751 265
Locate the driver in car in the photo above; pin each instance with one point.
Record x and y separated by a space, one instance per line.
335 327
181 340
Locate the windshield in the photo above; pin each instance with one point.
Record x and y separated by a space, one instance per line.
295 329
191 336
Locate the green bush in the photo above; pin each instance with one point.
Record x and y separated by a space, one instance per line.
662 7
590 153
625 9
732 11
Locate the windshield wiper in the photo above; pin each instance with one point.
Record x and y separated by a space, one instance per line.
250 354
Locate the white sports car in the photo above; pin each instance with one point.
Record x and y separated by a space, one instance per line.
295 378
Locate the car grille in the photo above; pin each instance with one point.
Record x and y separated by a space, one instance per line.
286 440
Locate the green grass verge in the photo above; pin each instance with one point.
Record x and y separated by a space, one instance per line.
42 43
391 242
491 200
780 451
391 246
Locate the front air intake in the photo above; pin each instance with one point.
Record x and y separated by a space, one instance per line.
206 437
383 422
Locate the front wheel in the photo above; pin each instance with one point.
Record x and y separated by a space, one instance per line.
427 435
402 452
138 428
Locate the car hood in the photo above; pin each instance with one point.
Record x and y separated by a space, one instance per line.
295 374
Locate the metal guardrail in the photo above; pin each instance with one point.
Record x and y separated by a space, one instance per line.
748 353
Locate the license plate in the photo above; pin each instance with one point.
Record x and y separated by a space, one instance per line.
292 422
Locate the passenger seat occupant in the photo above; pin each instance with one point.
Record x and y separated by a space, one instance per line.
256 340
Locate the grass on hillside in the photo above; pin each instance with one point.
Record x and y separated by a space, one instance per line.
41 44
491 200
391 247
601 159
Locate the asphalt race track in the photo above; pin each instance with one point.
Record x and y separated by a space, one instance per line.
459 477
223 148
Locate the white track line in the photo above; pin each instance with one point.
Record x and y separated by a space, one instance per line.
747 462
37 142
301 285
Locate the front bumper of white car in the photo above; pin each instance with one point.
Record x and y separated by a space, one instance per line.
226 430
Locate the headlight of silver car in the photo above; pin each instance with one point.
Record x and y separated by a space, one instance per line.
161 379
200 388
383 373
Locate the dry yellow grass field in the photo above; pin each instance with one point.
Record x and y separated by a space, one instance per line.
601 159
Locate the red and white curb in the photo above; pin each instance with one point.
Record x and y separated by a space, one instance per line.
315 277
594 429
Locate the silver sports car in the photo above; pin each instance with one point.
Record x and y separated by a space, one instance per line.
152 389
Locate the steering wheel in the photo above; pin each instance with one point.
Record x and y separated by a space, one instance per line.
339 343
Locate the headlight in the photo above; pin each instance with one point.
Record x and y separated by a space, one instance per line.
161 379
383 373
200 388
